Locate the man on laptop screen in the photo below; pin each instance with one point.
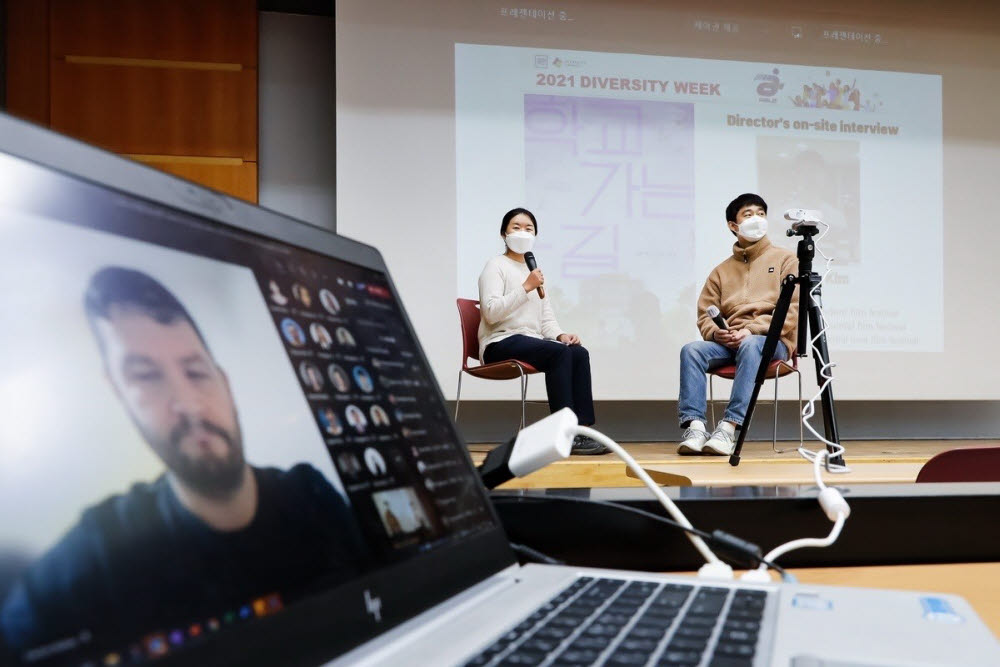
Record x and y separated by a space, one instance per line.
211 517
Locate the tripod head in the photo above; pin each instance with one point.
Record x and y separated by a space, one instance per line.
803 229
804 222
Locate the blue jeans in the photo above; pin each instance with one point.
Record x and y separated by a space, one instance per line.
699 357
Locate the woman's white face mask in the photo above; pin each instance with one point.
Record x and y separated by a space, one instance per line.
753 229
520 242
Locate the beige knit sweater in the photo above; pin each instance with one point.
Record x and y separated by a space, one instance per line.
506 309
745 288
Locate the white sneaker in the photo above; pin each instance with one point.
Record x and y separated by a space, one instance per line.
721 443
694 440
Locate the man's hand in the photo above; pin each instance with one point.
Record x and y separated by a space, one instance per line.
736 338
534 280
569 339
723 336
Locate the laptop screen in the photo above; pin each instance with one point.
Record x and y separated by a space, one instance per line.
203 429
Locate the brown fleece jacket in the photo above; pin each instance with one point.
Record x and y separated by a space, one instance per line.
745 288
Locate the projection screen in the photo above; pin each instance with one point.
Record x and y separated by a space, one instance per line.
627 127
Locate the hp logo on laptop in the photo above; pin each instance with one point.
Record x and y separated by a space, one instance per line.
373 605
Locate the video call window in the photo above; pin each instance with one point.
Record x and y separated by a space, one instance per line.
166 376
203 377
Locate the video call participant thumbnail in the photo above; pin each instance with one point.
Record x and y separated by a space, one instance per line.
329 301
339 378
212 531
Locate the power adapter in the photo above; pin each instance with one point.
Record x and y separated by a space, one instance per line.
533 448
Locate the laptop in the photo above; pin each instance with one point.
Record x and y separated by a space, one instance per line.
222 444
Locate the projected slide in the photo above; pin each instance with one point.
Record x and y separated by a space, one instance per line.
629 161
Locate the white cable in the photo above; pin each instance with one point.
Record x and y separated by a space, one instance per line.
717 566
824 372
833 504
807 542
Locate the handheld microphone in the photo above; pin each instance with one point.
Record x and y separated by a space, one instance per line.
529 259
717 317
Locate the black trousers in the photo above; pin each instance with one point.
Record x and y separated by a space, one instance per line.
566 368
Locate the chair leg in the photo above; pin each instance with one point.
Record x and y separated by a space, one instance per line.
774 438
711 400
524 395
458 395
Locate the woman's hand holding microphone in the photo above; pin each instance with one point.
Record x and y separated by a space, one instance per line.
534 280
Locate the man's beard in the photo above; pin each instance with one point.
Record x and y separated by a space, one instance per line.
210 476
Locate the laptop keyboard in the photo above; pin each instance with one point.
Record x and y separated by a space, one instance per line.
617 622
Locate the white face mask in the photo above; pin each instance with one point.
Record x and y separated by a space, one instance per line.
520 242
753 229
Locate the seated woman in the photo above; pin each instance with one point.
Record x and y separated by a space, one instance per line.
517 324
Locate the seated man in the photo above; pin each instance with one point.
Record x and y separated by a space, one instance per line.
212 532
745 289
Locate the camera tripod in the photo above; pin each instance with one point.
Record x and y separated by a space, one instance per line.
810 318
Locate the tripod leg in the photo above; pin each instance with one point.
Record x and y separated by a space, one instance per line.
822 355
770 345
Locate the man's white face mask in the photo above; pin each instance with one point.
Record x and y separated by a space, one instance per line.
520 242
753 229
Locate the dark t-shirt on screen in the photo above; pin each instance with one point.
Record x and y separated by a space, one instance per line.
140 562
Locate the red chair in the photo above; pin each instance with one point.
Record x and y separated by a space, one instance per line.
777 369
468 311
974 464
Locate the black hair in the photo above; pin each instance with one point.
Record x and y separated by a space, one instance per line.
118 286
515 212
745 199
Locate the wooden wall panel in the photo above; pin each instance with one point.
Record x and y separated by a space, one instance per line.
223 31
27 52
157 110
238 180
170 82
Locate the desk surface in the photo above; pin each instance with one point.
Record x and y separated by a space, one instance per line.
979 583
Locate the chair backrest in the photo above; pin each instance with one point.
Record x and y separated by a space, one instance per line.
973 464
468 313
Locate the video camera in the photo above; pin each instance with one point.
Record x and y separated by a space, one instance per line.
804 221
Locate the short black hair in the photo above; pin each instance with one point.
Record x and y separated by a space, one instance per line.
119 286
515 212
745 199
